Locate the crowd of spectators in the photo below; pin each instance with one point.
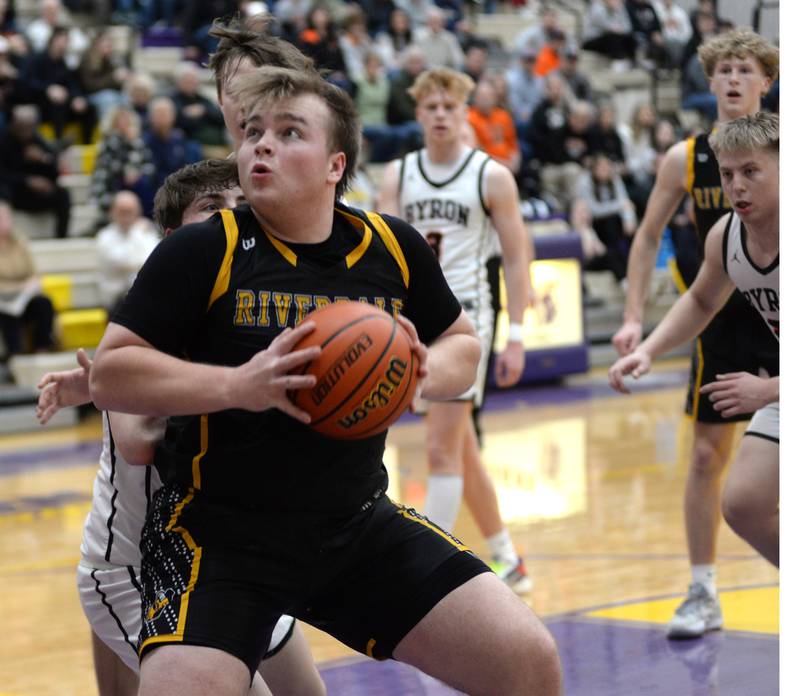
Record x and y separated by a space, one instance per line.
534 109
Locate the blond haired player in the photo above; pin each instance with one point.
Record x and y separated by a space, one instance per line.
741 66
454 195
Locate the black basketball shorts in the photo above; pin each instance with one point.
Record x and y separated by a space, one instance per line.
216 576
736 340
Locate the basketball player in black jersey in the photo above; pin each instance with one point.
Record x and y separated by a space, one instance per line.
741 66
260 515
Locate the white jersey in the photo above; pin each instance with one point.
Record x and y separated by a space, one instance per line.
447 206
109 581
122 493
761 286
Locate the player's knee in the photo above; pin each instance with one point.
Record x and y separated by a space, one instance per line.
309 685
739 510
174 669
312 685
536 668
441 460
706 458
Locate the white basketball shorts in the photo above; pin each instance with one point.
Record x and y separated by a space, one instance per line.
111 600
766 422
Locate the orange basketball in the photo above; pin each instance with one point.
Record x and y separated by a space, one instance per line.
366 373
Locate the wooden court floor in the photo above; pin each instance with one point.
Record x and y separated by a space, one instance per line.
589 482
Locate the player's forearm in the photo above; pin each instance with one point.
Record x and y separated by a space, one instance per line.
684 321
518 285
452 366
641 261
140 380
774 384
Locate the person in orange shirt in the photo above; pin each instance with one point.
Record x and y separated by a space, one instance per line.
494 128
549 57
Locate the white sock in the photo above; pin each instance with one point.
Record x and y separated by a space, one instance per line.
502 548
706 575
444 499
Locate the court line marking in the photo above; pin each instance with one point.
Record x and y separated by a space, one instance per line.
657 598
630 556
634 623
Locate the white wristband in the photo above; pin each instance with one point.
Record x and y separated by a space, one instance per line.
515 332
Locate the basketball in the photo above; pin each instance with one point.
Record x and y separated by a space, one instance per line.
366 373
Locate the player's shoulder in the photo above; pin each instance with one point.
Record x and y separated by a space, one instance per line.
494 170
393 168
715 240
717 230
400 228
674 166
395 225
678 154
206 239
196 233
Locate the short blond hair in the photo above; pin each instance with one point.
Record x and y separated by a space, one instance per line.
759 131
741 44
459 84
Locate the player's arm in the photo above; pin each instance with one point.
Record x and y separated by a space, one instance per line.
450 362
136 437
503 201
131 376
687 317
698 305
388 198
62 389
665 197
135 368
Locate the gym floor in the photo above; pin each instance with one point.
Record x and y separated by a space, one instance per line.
590 484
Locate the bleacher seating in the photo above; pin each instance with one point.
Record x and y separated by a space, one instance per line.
68 270
159 61
506 26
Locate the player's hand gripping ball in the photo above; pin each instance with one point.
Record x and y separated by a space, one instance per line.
366 373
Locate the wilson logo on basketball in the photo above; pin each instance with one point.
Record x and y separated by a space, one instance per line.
345 361
380 395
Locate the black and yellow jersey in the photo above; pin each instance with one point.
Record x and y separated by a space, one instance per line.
218 292
704 185
709 203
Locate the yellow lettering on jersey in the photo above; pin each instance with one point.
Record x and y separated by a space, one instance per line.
339 298
303 303
380 303
397 306
283 303
321 301
363 300
263 307
701 198
710 197
245 301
